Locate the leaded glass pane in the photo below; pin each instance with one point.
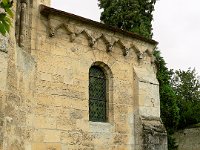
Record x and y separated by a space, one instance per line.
97 95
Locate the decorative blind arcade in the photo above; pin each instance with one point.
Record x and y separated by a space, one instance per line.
97 95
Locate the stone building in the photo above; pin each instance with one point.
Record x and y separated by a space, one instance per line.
70 83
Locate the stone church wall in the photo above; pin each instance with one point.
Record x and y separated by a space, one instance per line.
46 77
3 75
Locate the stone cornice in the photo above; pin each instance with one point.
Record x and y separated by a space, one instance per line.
46 11
73 33
91 40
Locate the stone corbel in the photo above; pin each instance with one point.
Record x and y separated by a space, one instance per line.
109 47
137 52
67 28
140 55
123 47
91 41
125 51
72 37
150 54
51 31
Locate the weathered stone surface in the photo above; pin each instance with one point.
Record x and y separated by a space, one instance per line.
44 79
188 139
3 43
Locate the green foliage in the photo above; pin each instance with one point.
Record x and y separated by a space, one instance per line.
5 16
179 91
179 98
187 87
172 145
130 15
168 99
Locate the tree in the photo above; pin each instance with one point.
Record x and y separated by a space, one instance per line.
5 16
186 85
136 16
169 108
168 99
130 15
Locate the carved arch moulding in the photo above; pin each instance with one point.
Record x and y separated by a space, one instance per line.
74 32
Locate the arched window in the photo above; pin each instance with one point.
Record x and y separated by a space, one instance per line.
97 95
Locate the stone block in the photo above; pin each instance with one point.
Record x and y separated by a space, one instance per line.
52 136
64 122
46 146
42 121
45 76
100 127
122 128
83 124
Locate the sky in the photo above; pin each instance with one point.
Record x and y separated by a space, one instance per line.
176 27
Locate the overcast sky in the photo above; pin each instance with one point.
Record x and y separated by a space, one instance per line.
176 28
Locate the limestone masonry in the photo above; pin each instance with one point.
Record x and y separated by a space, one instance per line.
44 84
188 139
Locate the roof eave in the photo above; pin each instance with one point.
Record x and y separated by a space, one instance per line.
45 10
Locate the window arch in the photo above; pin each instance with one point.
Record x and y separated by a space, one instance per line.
97 94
